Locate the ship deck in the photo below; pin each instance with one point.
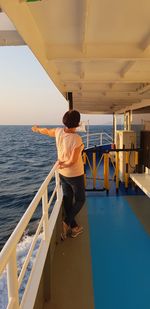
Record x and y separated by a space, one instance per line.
108 265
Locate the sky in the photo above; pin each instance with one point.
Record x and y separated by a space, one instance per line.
27 95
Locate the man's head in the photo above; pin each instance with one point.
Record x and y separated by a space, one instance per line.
71 119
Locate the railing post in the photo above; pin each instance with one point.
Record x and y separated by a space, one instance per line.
58 185
94 170
106 171
88 130
84 162
45 213
87 141
114 128
101 138
12 281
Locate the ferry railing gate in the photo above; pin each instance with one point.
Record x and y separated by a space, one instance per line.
106 172
8 254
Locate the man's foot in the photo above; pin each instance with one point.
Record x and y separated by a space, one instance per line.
65 230
76 231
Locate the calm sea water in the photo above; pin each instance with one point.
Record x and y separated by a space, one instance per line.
25 160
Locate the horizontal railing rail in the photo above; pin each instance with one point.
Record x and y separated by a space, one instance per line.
8 258
123 150
101 138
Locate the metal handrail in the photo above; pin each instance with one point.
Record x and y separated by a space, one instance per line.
8 257
109 156
101 136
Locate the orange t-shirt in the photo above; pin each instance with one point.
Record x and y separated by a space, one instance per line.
66 143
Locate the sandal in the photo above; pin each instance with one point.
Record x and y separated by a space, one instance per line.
76 231
65 230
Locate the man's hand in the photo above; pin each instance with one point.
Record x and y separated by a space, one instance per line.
35 128
45 131
62 164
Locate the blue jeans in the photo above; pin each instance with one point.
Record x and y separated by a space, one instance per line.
73 197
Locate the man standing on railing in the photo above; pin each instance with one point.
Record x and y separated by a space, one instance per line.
69 148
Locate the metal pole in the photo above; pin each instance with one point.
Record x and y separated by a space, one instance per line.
94 170
101 138
130 119
69 98
117 171
126 169
114 128
125 122
87 141
84 161
106 171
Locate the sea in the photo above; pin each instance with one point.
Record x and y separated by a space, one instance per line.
25 160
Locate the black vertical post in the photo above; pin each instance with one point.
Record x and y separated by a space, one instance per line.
114 128
69 98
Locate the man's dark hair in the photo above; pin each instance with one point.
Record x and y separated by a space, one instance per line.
71 119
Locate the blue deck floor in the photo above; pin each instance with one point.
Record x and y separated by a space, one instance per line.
120 249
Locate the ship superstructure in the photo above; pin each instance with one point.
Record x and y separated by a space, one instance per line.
98 55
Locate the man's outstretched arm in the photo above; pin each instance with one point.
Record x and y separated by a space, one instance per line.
44 131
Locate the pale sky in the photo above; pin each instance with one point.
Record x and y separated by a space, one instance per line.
27 95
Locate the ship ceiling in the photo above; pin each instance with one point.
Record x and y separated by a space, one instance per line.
143 110
98 50
8 33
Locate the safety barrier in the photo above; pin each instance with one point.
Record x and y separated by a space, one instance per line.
8 259
92 139
104 159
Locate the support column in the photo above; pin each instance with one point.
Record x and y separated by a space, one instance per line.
130 120
127 120
69 98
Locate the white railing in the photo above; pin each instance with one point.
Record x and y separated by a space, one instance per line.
95 139
8 259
